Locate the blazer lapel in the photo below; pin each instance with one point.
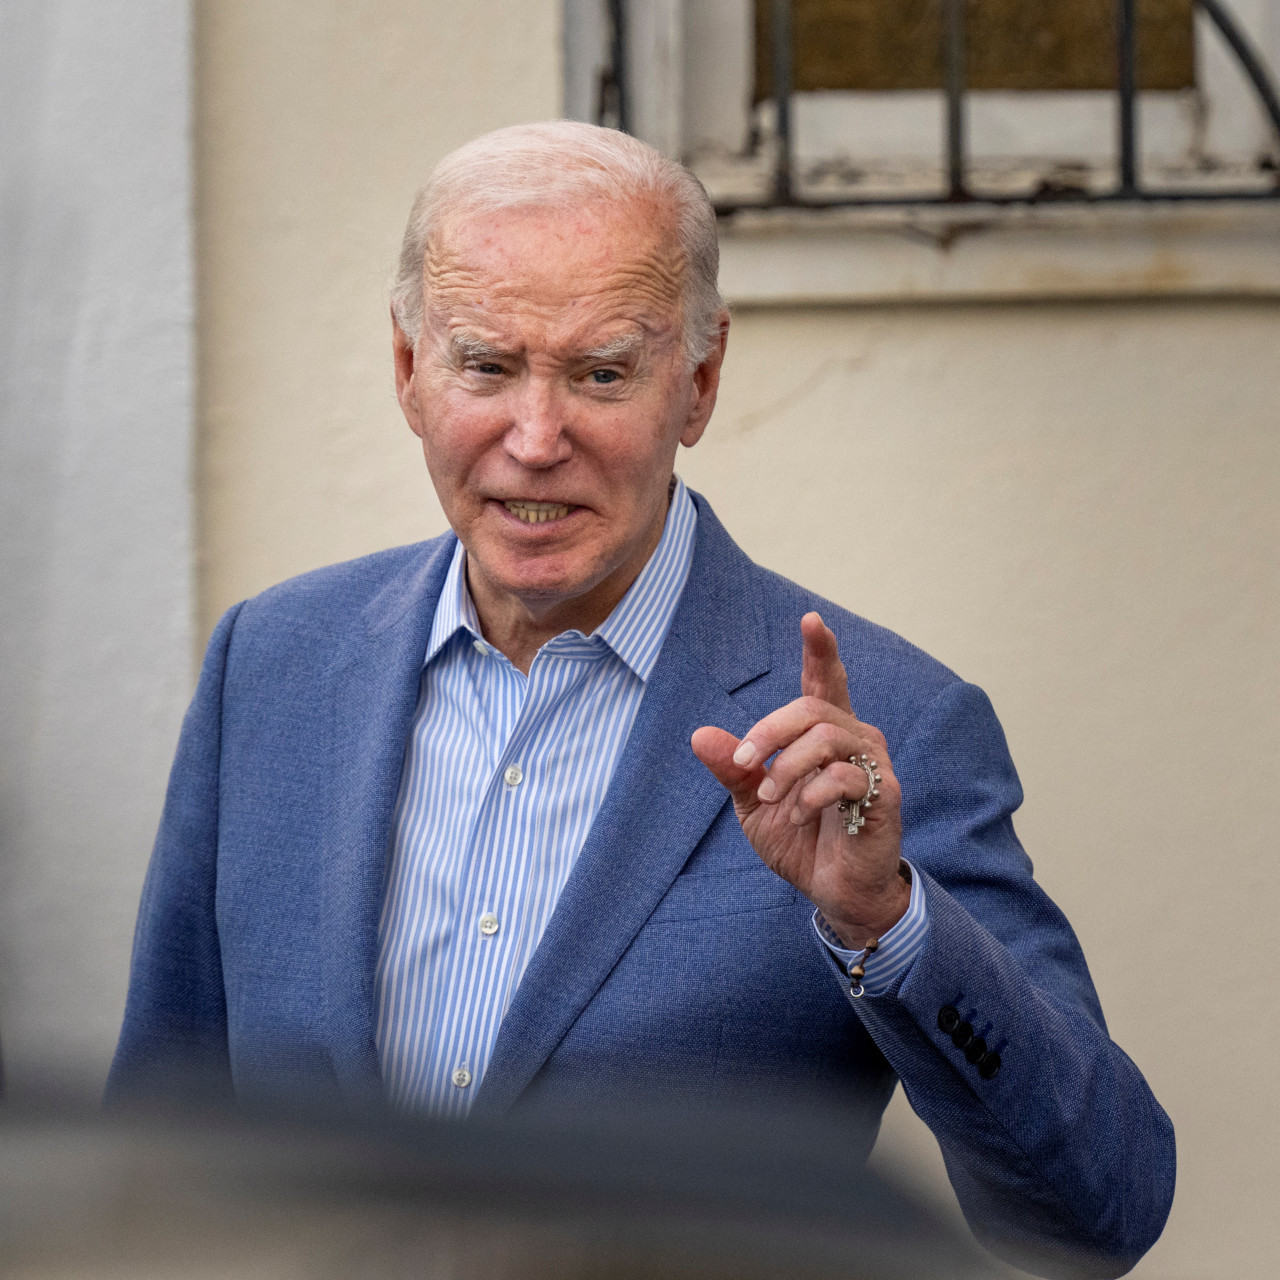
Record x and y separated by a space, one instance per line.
659 804
370 699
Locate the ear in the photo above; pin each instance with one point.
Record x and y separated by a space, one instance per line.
706 384
402 351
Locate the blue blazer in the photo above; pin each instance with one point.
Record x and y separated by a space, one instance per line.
675 963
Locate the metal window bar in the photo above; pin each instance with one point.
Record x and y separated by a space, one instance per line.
953 62
1250 63
783 66
1128 187
1127 90
617 86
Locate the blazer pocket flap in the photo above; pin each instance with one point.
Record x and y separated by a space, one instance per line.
699 896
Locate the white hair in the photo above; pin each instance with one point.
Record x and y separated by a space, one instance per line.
560 164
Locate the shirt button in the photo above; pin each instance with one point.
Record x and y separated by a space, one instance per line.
514 775
461 1077
479 646
488 924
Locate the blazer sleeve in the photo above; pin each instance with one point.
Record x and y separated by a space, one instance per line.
1062 1161
174 1040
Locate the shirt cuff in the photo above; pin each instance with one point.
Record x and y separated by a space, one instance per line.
898 948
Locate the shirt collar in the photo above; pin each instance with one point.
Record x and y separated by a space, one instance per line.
638 624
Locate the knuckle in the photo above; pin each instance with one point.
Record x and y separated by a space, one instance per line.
781 773
843 778
817 792
763 732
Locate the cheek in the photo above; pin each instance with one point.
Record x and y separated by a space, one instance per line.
459 430
645 442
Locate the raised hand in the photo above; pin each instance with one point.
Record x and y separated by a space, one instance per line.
788 810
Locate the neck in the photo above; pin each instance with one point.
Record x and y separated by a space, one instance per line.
518 627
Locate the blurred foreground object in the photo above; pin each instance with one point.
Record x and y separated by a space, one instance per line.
84 1195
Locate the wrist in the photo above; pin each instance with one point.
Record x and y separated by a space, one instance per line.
874 920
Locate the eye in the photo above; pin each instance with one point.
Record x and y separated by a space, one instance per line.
603 377
487 366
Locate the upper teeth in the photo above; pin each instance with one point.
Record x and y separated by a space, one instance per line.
537 512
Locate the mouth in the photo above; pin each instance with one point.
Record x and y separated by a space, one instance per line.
539 512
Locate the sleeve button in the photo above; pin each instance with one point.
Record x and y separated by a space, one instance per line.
948 1018
975 1050
989 1065
961 1036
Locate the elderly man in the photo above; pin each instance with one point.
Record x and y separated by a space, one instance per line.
573 804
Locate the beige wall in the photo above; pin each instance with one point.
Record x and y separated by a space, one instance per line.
317 120
1078 507
1074 505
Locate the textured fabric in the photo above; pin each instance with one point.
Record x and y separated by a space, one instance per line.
898 947
480 853
674 963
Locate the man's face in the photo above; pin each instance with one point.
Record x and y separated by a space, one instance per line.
550 389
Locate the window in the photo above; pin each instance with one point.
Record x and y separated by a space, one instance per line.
885 186
869 117
1012 44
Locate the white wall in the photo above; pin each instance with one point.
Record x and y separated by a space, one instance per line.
95 502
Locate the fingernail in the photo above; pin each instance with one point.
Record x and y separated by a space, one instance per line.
745 753
767 790
797 817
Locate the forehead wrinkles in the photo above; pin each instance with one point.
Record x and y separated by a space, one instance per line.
574 264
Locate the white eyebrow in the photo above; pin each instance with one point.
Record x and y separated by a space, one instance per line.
466 345
469 346
624 344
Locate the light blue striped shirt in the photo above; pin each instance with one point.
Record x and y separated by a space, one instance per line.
503 776
898 948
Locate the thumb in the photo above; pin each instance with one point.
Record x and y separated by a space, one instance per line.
823 674
715 748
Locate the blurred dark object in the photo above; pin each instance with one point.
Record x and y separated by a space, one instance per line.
1015 44
86 1195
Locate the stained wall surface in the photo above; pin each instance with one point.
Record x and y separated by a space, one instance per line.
1073 504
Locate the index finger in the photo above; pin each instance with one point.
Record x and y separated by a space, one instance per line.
823 674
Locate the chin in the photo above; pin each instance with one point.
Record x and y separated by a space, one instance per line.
537 577
546 573
548 589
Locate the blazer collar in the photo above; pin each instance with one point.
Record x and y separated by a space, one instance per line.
642 837
369 696
721 617
413 592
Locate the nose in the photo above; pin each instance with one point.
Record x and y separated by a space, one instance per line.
537 437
